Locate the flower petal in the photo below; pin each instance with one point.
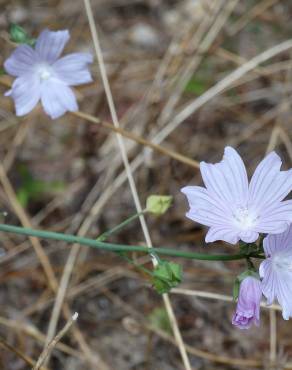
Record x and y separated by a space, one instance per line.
248 236
57 98
227 179
278 242
50 44
25 93
20 61
73 68
224 233
268 183
276 218
204 208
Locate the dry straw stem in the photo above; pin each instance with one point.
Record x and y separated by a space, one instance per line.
256 11
31 331
221 86
48 349
91 119
138 139
146 233
30 362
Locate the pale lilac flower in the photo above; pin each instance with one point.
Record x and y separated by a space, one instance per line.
43 75
276 271
248 304
234 209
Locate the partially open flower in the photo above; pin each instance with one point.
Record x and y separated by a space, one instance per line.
248 305
234 209
276 271
43 75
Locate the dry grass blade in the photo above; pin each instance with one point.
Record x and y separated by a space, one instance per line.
49 348
30 362
134 192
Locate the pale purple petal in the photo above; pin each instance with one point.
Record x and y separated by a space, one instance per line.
20 61
268 184
50 44
227 179
275 243
276 271
57 98
25 93
222 233
236 211
248 236
73 68
276 218
204 208
248 305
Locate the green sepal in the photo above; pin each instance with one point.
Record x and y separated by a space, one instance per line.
158 204
20 36
166 275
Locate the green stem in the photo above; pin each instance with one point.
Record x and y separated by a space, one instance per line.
120 226
120 247
139 267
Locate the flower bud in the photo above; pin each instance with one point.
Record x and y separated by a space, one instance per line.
158 204
248 305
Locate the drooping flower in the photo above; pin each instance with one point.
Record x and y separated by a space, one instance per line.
248 304
234 209
41 74
276 271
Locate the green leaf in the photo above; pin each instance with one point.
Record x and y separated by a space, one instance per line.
158 318
166 275
34 189
158 204
195 86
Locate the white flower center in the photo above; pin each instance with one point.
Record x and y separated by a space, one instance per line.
44 72
244 218
282 262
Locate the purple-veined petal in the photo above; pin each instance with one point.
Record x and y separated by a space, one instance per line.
248 236
268 184
25 93
276 218
21 61
50 44
276 270
248 305
57 98
204 208
278 242
73 68
224 233
268 280
227 179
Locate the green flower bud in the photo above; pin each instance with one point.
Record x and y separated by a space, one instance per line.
158 204
166 275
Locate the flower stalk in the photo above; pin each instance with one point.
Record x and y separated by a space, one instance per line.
93 243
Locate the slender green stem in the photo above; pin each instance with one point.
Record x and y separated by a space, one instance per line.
120 247
139 267
120 226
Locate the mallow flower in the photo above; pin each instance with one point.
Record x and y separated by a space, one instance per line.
235 209
276 271
42 75
248 304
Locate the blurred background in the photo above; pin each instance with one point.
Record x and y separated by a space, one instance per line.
163 58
